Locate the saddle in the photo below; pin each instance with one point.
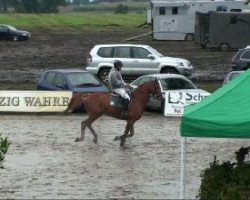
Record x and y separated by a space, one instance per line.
117 101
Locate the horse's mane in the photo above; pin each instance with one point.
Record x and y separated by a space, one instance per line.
147 86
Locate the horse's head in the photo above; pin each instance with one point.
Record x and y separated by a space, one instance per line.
75 103
156 90
148 88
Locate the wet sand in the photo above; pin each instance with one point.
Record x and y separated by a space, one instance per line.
44 162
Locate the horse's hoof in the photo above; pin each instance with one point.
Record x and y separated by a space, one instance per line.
122 144
77 139
95 141
117 138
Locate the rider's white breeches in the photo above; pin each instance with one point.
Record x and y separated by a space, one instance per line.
122 92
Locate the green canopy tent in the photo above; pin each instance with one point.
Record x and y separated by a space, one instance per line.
223 114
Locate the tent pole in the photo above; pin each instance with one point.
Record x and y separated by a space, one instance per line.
183 167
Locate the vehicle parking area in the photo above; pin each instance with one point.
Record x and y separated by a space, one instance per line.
44 162
25 61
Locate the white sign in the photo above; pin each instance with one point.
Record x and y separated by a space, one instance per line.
175 102
34 101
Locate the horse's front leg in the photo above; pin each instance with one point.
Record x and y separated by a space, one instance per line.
129 128
83 126
131 132
126 131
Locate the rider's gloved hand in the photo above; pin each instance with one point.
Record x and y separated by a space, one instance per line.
129 87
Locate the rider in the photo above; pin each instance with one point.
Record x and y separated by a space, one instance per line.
118 85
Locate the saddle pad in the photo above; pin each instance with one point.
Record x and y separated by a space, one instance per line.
116 101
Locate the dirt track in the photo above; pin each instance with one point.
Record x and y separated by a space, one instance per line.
24 61
44 162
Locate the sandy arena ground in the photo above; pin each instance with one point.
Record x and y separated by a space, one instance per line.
44 162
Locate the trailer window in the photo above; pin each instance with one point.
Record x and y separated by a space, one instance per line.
221 9
235 10
162 11
175 10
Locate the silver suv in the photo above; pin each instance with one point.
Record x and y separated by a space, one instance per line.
137 60
241 60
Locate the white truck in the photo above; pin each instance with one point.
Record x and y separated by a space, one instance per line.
175 20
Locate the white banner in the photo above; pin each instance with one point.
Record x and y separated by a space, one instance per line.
175 102
34 101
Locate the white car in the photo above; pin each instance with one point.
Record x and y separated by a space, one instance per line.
137 60
231 75
168 83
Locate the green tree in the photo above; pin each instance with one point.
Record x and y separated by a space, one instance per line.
30 6
36 6
51 6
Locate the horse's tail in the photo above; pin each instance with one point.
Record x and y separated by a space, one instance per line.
76 102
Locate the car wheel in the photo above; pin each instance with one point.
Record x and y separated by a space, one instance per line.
207 45
204 44
189 37
103 76
15 38
224 47
170 71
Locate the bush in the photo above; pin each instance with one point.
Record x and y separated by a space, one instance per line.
121 9
4 146
227 180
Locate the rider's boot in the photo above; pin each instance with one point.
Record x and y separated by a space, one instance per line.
124 113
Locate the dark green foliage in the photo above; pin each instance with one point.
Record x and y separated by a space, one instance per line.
36 6
3 5
120 8
4 146
30 6
227 180
98 8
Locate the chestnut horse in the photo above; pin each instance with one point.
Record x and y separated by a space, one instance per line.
97 104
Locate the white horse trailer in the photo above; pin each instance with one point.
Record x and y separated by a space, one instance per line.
175 20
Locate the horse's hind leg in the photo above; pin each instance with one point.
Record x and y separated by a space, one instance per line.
87 123
92 118
83 126
94 133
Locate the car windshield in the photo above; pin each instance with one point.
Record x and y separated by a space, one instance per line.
234 75
154 52
12 28
231 76
82 80
176 84
237 55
